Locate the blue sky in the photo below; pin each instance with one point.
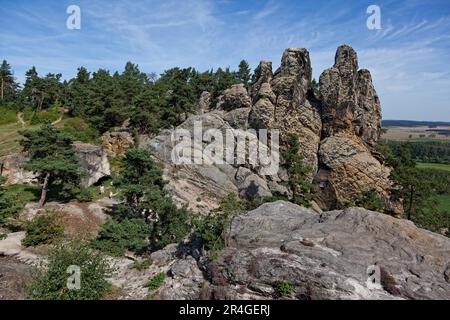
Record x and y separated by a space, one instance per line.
409 57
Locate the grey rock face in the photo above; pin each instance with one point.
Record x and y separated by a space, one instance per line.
95 162
281 102
233 98
12 168
326 256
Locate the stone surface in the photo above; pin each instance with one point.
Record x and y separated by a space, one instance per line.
11 167
117 142
94 161
234 98
326 256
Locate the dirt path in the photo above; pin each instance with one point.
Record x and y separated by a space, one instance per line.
20 118
57 121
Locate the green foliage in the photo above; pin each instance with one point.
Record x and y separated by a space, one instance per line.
142 188
314 86
243 74
424 151
3 236
8 116
80 130
142 264
156 281
8 85
43 229
283 288
13 199
115 237
370 200
298 172
213 229
47 116
84 195
53 158
50 280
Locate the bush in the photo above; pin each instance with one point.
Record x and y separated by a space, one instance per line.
213 229
115 237
84 195
45 117
283 288
370 200
3 236
143 264
50 282
156 281
80 130
43 229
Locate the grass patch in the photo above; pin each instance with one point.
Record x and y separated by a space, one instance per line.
443 202
437 166
156 282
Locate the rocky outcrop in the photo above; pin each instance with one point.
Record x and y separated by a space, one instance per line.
328 256
349 101
281 102
11 167
94 162
338 131
351 117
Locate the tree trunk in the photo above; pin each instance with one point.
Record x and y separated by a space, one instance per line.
411 198
44 190
2 88
41 102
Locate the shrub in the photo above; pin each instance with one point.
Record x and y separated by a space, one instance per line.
45 117
213 229
115 237
50 282
143 264
283 288
3 236
80 130
370 200
84 195
43 229
156 281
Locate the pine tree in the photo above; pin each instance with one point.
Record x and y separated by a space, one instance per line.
8 86
298 172
53 157
243 75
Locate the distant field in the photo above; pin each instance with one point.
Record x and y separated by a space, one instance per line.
417 133
438 166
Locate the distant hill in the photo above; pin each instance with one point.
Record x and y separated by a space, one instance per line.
410 123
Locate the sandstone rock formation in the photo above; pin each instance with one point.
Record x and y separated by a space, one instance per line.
338 132
94 161
351 117
327 256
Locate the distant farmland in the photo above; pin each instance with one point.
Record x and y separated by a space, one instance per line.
402 130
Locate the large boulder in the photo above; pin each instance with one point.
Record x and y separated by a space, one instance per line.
233 98
11 167
331 255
